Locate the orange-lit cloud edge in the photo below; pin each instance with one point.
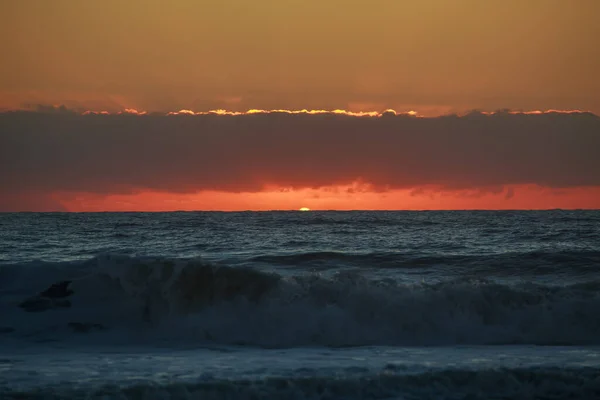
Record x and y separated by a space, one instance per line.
354 196
224 112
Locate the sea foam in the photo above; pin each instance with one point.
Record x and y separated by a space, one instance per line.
197 302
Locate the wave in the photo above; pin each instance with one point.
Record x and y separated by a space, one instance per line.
536 383
193 301
507 263
326 256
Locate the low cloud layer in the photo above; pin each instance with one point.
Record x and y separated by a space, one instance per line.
58 151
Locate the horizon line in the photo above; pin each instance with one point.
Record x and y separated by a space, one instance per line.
300 211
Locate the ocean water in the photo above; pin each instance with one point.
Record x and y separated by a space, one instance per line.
300 305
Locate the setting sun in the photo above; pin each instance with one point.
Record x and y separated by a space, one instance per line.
154 156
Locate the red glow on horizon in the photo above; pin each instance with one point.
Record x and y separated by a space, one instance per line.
340 198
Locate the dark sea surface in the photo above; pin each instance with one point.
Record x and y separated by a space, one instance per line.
302 305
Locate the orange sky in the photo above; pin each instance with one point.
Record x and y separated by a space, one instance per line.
428 55
431 56
338 198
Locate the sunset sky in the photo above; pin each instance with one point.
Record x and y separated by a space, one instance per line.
438 59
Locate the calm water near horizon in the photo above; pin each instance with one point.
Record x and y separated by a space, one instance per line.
331 305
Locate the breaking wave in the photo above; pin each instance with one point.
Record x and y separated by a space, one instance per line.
193 301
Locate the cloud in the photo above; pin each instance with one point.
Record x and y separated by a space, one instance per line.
46 151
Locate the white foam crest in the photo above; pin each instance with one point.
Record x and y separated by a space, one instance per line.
351 313
193 301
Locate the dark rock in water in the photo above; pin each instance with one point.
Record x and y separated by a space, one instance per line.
58 290
84 327
38 303
51 298
6 329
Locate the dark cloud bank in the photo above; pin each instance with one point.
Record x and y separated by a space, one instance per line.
45 151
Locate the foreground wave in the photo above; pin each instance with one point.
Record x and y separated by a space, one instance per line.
503 383
121 298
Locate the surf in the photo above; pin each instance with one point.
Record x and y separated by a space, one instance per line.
198 302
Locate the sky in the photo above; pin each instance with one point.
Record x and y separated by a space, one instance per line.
437 59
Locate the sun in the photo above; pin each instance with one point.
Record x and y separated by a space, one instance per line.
304 209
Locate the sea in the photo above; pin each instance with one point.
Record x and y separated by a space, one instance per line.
300 305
